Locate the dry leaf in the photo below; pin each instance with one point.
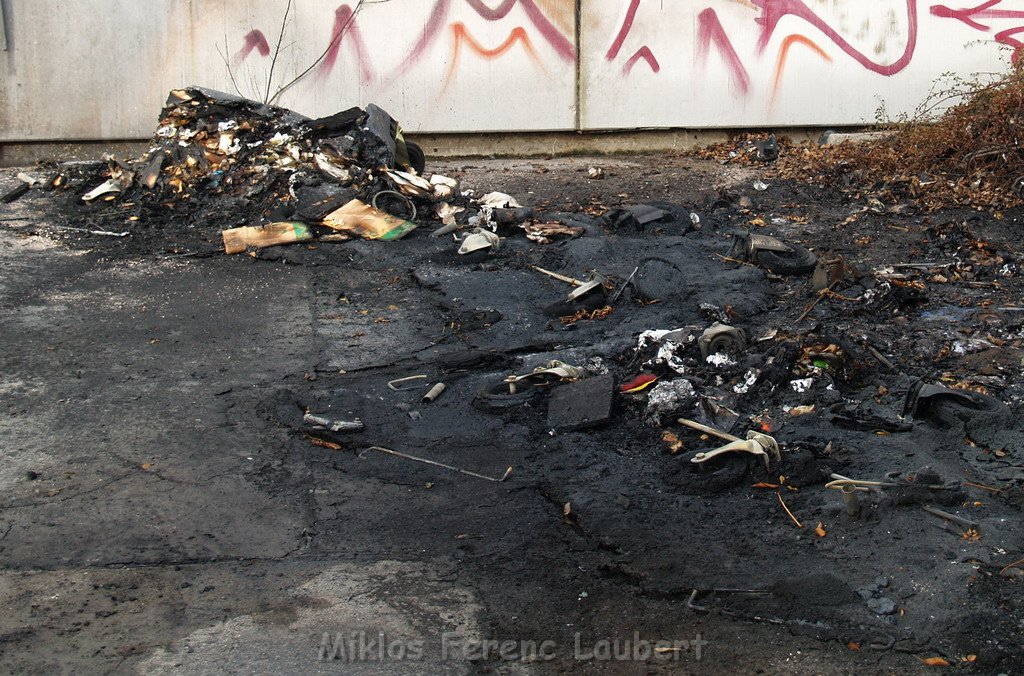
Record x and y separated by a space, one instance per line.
969 658
801 410
147 466
763 484
853 646
820 530
673 442
323 443
934 661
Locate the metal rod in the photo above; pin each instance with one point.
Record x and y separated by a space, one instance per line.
393 385
561 278
693 424
405 456
950 517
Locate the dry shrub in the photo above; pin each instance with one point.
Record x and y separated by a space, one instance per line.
971 155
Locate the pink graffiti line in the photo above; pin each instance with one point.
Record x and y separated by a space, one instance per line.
254 39
435 27
647 55
627 26
772 12
540 21
710 30
345 26
984 11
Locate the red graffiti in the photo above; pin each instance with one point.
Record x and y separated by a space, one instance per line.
772 11
984 11
627 26
254 39
647 55
709 29
345 25
559 42
438 15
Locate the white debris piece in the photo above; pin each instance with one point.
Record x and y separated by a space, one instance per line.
802 385
720 359
749 379
499 200
670 396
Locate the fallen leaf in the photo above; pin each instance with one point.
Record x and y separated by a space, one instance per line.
764 484
853 646
673 442
934 661
323 443
146 466
801 410
820 530
969 658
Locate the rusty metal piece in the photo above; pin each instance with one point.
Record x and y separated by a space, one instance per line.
828 273
851 499
434 393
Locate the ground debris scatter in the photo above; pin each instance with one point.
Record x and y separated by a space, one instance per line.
968 156
690 397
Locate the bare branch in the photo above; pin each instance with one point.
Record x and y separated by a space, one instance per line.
334 41
227 65
277 51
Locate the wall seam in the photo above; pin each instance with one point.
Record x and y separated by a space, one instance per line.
578 88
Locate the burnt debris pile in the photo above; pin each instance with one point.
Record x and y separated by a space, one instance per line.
220 162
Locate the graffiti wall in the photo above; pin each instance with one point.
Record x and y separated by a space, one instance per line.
99 69
731 63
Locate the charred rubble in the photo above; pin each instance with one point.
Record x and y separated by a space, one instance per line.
787 400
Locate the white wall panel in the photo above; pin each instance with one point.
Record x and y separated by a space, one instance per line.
100 69
775 63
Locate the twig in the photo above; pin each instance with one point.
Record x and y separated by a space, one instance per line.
228 68
277 51
923 266
983 487
821 294
881 358
735 260
337 38
405 456
1012 565
783 503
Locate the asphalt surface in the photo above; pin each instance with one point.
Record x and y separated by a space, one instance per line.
164 512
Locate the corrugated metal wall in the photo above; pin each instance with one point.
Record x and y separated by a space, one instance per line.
100 69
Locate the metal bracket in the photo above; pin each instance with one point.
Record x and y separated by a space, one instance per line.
755 444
